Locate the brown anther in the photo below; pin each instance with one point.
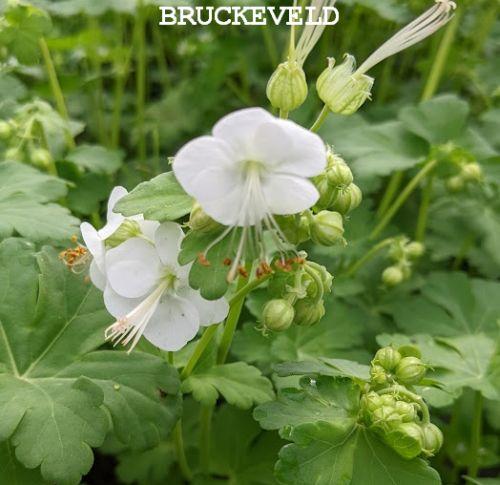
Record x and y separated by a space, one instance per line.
259 273
265 267
86 280
203 260
74 238
227 262
73 256
242 271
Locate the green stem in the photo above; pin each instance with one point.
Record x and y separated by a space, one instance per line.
401 199
140 39
475 440
390 192
56 87
320 119
205 429
423 211
160 57
402 391
353 269
283 114
198 351
181 455
442 54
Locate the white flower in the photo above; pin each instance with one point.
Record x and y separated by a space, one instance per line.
95 239
424 26
148 292
253 166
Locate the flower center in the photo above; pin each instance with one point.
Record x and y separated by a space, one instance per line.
169 279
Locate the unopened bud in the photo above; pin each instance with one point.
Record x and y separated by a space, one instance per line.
415 249
372 401
5 130
387 357
308 312
410 370
127 230
406 411
432 439
200 221
14 154
343 91
347 199
287 87
406 439
295 228
378 374
327 228
455 183
392 276
472 172
277 315
40 157
338 172
385 417
327 192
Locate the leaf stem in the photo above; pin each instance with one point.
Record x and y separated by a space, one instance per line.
423 210
390 192
198 351
352 270
205 429
181 455
320 119
475 440
56 88
401 199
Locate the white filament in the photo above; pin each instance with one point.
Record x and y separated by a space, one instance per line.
422 27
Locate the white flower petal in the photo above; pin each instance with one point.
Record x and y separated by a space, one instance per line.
174 323
148 228
227 208
92 239
199 155
305 155
114 220
239 128
97 277
210 311
133 267
117 305
285 194
168 238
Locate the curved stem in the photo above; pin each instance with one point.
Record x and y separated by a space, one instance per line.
401 199
423 210
402 391
475 440
198 351
369 255
181 455
55 87
320 119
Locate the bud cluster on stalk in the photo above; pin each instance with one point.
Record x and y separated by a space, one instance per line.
391 407
297 295
403 253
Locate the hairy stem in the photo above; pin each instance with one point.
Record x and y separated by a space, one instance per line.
320 119
353 269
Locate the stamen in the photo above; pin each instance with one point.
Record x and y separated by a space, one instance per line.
75 259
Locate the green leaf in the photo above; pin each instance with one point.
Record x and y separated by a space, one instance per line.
96 158
329 399
160 199
245 457
328 453
438 120
58 396
13 472
21 178
31 219
450 304
328 367
240 384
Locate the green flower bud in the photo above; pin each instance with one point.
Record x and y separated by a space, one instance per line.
385 417
406 411
432 439
378 374
455 183
311 284
40 157
406 440
327 193
287 87
415 249
295 228
347 199
387 357
410 370
200 221
388 400
327 228
409 350
392 276
372 401
308 312
338 172
5 130
127 230
277 315
472 172
14 154
343 91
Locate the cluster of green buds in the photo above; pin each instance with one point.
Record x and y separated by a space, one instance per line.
298 294
341 88
391 407
469 173
403 253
